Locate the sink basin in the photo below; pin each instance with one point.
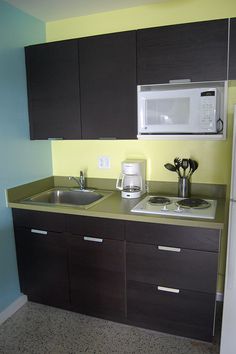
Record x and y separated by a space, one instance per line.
68 196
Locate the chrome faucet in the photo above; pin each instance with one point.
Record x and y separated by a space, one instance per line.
80 180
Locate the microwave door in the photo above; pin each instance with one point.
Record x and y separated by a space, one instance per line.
177 111
166 112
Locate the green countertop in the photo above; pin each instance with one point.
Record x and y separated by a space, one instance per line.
113 207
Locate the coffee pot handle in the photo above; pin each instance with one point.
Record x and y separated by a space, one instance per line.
141 183
120 182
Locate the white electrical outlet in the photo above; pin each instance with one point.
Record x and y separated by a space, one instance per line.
104 162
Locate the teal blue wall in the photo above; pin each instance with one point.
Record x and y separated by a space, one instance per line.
21 160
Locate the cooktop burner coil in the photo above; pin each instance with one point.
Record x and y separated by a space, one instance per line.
194 203
159 201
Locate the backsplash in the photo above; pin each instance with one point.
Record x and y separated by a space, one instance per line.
214 157
69 157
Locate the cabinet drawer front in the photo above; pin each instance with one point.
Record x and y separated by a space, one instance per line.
95 227
174 236
38 220
185 313
171 267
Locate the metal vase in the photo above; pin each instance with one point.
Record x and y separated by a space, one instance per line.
184 187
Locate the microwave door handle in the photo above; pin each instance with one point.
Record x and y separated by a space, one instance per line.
120 182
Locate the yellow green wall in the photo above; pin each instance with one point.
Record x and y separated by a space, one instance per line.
214 157
71 156
166 13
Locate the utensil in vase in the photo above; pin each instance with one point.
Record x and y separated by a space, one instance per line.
170 167
184 165
191 166
177 163
193 169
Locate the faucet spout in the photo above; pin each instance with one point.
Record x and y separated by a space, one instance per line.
80 180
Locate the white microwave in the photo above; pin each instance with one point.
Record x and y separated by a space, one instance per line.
182 109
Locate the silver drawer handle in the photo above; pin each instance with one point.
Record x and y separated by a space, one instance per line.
169 290
93 239
171 249
40 232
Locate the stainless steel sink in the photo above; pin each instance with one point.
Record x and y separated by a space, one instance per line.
68 197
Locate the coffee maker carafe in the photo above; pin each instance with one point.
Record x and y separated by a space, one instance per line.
131 181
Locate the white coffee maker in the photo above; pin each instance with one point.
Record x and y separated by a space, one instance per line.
132 180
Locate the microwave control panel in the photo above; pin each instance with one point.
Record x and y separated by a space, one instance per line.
208 110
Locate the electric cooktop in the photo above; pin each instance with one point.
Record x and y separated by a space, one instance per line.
179 207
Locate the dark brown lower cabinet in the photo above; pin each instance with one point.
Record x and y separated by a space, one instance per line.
185 313
171 278
97 276
42 266
151 275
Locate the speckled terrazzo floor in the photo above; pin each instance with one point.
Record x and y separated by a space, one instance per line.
39 329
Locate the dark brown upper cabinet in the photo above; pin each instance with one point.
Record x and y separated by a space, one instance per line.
232 50
108 86
195 51
53 90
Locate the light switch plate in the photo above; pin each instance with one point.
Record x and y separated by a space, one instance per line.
104 162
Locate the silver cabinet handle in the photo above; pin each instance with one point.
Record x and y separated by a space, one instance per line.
170 249
55 138
93 239
40 232
107 138
179 81
169 290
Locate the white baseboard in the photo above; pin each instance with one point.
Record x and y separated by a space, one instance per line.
219 297
11 309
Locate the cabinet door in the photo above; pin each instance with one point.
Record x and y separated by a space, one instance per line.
232 50
97 276
108 86
53 90
195 51
42 266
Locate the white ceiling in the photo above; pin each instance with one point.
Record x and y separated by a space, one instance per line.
53 10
